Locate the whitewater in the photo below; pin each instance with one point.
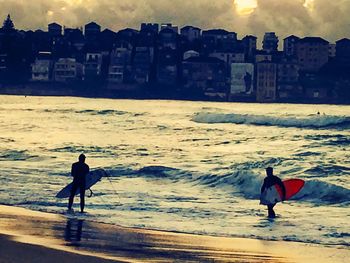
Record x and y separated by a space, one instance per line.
194 167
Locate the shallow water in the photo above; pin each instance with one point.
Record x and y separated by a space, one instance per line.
183 166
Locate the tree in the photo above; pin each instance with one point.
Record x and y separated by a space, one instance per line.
8 25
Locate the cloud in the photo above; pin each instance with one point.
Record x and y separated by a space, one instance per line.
324 18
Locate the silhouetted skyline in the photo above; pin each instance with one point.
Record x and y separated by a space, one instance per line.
328 19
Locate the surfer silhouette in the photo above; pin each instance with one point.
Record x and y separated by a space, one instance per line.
269 181
79 171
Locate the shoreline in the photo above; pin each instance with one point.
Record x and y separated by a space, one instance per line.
73 236
59 90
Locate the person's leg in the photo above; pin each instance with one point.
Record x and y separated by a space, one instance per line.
271 212
72 194
82 198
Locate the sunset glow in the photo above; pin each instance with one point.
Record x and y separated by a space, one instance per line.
245 7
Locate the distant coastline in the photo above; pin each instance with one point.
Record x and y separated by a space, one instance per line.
132 91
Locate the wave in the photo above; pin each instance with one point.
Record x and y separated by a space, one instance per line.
15 155
88 111
241 182
311 122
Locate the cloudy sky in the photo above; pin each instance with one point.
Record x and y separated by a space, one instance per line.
326 18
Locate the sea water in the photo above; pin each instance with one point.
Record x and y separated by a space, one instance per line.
194 167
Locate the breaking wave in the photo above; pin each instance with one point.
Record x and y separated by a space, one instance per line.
307 122
241 182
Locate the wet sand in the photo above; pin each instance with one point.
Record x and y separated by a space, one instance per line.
29 236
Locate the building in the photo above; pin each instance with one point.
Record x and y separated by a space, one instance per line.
167 67
120 64
67 69
191 33
261 55
218 39
92 31
229 57
343 49
92 66
312 53
170 26
270 42
288 86
55 30
204 76
249 45
332 50
167 38
150 27
266 81
242 80
42 67
3 65
290 46
142 64
147 37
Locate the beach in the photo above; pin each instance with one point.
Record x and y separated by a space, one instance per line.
31 236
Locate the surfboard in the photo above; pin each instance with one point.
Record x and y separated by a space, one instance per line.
92 178
274 193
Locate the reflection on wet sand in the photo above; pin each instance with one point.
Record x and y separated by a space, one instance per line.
78 235
73 231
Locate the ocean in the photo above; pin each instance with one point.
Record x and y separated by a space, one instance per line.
194 167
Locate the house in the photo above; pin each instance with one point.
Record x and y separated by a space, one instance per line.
42 67
3 65
107 39
343 49
92 65
150 27
167 38
249 45
55 30
167 67
270 42
288 86
266 81
229 57
218 39
204 76
128 34
170 26
312 53
191 33
120 64
332 50
142 63
290 46
92 31
67 69
261 55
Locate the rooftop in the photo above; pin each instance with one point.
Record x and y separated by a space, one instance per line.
313 40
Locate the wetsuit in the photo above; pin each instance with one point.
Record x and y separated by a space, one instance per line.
268 182
79 172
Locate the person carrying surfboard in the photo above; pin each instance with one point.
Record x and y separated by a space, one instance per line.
269 181
79 172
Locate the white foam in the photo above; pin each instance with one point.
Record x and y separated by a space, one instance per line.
290 121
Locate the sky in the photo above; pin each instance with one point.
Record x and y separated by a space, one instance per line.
325 18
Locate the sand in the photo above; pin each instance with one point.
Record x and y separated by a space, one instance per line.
29 236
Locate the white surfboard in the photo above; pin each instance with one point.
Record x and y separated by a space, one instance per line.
92 178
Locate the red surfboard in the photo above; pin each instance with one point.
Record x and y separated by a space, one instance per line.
274 193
